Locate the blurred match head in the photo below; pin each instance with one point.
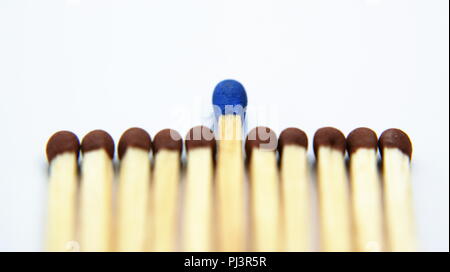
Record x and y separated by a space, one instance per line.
395 138
262 138
98 139
134 137
168 139
62 142
361 138
292 136
200 136
329 137
229 97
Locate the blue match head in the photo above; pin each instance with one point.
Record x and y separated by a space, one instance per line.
229 97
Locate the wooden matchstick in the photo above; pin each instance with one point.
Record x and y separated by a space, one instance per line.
197 207
97 176
62 154
396 150
134 189
365 190
230 101
295 191
261 145
167 147
334 202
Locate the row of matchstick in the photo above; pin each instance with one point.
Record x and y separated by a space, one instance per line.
146 215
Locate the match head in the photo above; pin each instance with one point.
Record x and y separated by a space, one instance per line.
61 142
395 138
260 137
361 138
167 139
329 137
98 139
200 136
134 137
292 136
229 97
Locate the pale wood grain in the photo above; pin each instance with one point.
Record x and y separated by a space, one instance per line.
295 199
96 201
62 202
133 200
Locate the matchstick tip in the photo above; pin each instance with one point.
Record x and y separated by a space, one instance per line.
98 139
134 137
330 137
200 136
395 138
262 138
229 97
167 139
292 136
361 138
61 142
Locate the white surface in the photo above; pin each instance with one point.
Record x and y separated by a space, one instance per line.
82 65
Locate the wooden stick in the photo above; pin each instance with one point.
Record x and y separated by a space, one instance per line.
167 148
366 191
230 185
62 153
197 208
261 145
396 149
134 190
334 204
295 191
96 191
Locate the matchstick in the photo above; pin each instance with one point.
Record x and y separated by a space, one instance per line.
167 147
197 207
62 154
295 191
134 189
396 150
230 102
97 175
365 190
334 203
260 146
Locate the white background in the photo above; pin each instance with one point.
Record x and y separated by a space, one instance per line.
81 65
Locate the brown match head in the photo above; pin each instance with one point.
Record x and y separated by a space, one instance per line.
61 142
292 136
361 138
98 139
262 138
395 138
329 137
200 136
167 139
134 137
